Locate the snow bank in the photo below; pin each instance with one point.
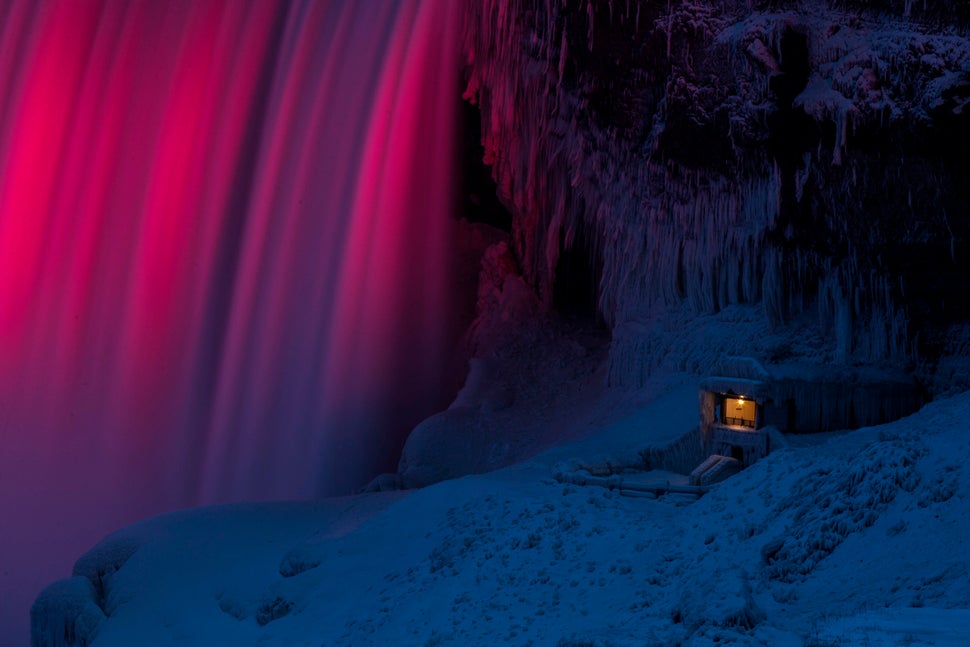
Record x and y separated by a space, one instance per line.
912 626
854 534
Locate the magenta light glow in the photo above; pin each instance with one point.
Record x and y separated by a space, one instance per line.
224 256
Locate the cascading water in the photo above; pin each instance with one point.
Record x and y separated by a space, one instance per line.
223 257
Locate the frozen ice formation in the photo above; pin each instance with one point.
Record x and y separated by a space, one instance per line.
795 156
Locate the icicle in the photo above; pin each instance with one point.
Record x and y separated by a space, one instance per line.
563 51
670 28
841 128
953 240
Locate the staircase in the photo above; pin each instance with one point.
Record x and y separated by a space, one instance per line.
715 469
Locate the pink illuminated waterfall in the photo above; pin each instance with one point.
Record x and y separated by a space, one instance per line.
224 240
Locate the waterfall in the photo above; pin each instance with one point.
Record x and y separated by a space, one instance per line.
224 256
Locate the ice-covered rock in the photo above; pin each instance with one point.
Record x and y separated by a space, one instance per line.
66 614
450 444
794 156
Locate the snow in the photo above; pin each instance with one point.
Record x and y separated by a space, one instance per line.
910 626
846 538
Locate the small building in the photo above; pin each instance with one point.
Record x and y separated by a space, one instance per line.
744 406
733 412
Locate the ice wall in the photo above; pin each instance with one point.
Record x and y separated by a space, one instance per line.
794 156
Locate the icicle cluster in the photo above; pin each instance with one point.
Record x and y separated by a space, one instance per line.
672 230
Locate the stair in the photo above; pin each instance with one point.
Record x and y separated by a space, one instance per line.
715 469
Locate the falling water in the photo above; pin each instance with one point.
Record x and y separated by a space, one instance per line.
223 256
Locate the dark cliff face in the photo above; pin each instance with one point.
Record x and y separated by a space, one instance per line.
808 158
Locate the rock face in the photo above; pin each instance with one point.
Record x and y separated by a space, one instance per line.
804 158
779 180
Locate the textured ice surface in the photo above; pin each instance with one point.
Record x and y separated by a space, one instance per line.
660 134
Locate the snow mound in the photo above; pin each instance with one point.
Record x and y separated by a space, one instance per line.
822 541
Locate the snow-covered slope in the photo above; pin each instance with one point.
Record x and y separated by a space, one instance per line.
853 538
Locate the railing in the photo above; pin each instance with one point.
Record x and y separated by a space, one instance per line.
739 422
